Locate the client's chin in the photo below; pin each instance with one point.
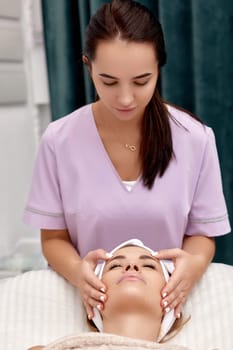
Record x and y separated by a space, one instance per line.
132 301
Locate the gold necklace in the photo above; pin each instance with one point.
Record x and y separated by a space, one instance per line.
132 148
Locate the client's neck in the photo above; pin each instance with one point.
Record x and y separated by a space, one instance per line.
134 326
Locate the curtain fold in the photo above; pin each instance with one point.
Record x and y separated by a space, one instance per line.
198 75
63 48
178 74
213 28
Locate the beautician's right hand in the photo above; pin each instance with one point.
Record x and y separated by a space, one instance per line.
92 289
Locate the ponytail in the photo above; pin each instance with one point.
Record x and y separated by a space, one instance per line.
156 148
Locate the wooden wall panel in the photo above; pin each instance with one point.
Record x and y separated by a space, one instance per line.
11 43
12 71
10 8
12 85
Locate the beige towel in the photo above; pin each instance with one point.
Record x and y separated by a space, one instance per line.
101 341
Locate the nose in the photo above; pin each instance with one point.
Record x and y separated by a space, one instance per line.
125 97
132 267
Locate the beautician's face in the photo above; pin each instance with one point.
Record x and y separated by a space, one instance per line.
133 271
125 75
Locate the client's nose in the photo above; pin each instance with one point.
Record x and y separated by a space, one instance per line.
132 267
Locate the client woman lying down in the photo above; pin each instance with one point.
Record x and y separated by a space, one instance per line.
134 279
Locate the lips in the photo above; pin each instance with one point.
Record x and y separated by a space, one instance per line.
130 277
126 109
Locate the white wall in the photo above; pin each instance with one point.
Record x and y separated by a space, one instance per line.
24 113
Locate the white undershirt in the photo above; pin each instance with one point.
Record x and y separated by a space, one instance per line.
129 184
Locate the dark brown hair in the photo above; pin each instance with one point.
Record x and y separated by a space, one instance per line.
133 22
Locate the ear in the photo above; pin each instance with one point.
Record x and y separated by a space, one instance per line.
85 60
87 63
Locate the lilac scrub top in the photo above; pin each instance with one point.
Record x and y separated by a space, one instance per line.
76 187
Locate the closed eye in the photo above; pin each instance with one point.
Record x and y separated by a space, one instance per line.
110 84
114 266
136 83
141 84
150 266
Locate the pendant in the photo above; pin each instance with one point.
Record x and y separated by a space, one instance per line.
132 148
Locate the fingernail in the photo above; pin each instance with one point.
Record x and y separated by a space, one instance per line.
102 298
164 294
109 255
98 306
167 309
165 303
154 253
178 315
89 317
102 289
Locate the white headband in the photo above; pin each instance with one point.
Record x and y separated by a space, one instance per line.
167 267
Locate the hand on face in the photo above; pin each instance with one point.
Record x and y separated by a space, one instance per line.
92 290
186 274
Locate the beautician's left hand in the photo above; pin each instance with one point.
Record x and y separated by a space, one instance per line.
188 270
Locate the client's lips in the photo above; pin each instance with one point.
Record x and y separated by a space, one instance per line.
131 277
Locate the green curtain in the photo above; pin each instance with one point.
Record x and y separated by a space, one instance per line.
199 77
63 47
198 74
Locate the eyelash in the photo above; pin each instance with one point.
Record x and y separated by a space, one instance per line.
150 266
114 266
138 84
146 265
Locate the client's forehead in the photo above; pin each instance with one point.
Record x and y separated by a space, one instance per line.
132 251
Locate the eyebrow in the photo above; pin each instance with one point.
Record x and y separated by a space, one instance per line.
104 75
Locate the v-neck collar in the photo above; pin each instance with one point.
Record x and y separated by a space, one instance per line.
106 155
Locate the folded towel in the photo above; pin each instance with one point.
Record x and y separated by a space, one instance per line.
104 341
